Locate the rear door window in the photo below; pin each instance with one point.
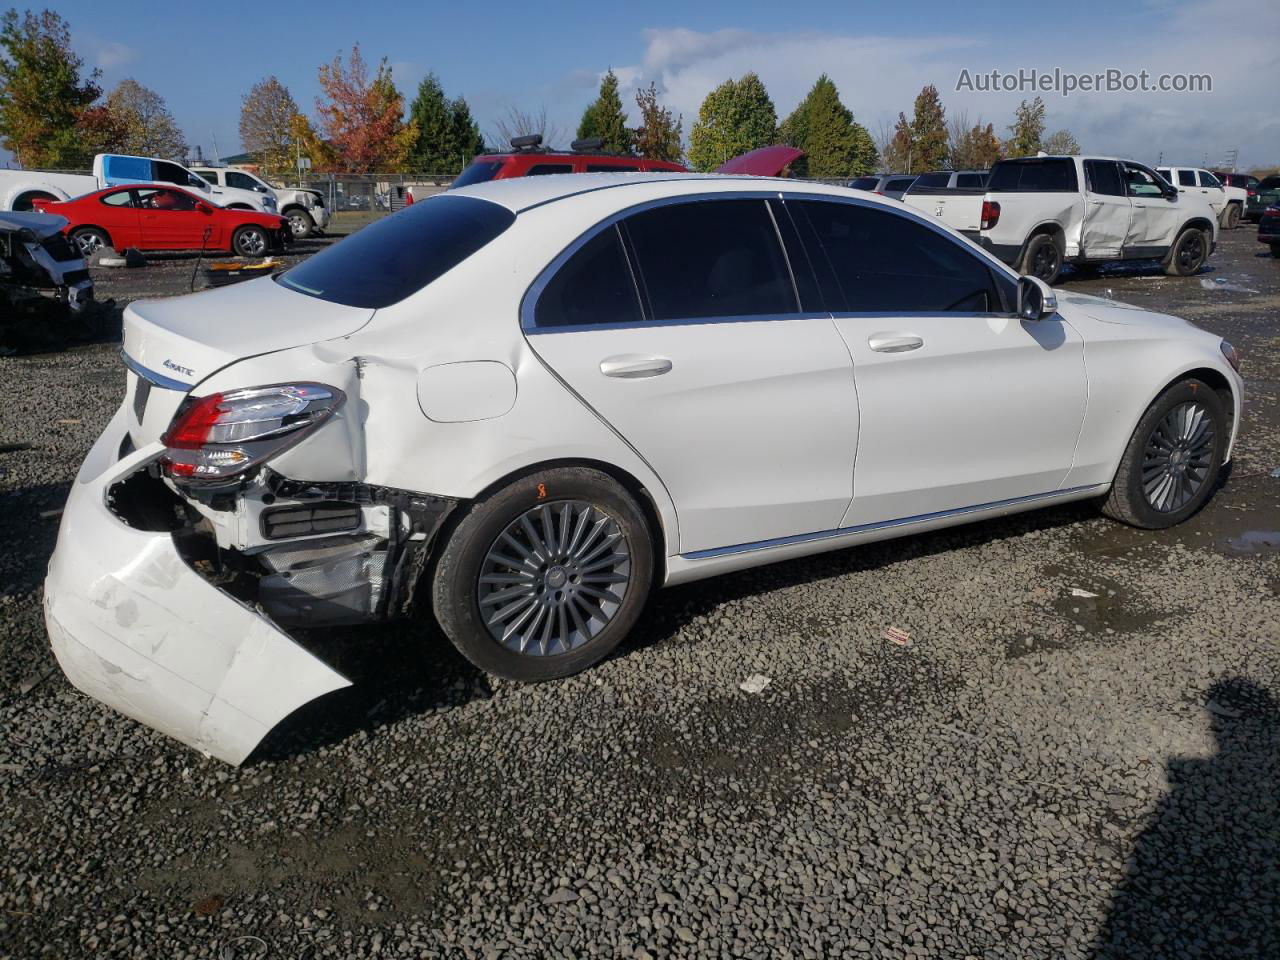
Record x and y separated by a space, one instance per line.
1186 178
1103 177
399 255
1039 175
712 258
593 287
885 261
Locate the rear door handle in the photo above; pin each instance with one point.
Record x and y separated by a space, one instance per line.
631 366
894 342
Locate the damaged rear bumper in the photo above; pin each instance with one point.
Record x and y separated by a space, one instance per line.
133 625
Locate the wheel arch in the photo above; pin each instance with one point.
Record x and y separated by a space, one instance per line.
20 199
1196 223
1045 228
1215 378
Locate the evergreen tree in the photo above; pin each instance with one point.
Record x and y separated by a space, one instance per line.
735 117
1027 129
467 141
928 132
834 145
604 118
433 150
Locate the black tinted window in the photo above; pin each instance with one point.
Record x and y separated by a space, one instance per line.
478 172
885 261
398 255
716 258
1208 179
1049 175
968 181
593 286
931 180
1104 177
900 184
1186 178
865 183
543 169
1269 183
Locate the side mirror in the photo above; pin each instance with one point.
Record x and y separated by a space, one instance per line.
204 207
1036 299
1171 193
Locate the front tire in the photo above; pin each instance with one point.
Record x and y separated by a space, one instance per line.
545 577
1232 218
300 223
249 241
1188 255
1043 259
1171 465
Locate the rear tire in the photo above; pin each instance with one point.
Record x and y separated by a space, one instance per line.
1043 258
1189 253
1170 467
90 240
300 223
249 241
1231 219
585 565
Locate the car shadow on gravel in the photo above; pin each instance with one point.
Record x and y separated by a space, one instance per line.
397 670
1202 879
670 610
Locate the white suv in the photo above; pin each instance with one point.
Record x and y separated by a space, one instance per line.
1227 202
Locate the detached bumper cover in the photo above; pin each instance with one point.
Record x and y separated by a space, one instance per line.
136 628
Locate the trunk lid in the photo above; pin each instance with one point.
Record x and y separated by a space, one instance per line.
170 346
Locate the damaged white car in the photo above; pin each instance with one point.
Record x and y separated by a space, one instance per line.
518 406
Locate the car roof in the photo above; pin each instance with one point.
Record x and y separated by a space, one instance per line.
523 193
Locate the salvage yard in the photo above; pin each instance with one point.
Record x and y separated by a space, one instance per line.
1042 736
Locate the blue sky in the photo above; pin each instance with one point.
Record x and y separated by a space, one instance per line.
501 54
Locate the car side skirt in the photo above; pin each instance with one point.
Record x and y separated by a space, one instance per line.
684 568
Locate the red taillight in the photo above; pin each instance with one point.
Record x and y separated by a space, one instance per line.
191 430
1252 192
221 436
990 214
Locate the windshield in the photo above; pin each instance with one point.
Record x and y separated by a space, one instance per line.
399 255
478 172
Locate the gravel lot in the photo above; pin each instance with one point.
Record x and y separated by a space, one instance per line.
1038 774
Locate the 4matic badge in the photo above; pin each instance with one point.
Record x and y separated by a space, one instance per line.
170 365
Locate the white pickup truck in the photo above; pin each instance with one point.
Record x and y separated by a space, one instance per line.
1040 212
304 209
18 188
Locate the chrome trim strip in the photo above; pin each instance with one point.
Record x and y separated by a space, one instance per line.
879 525
156 379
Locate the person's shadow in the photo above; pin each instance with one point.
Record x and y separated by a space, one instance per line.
1204 878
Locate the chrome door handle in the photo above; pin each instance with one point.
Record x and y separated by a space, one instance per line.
893 343
630 366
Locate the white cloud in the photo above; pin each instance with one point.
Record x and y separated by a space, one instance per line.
1232 40
108 54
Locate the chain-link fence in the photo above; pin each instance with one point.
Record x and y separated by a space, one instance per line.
374 192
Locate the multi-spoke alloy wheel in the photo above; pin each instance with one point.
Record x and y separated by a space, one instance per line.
1178 457
546 575
554 578
1172 463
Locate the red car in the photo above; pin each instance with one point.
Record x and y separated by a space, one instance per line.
160 216
528 158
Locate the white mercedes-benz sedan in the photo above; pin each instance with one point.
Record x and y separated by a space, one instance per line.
518 407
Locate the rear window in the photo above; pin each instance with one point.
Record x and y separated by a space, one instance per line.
970 181
399 255
1050 175
1269 183
478 172
931 180
864 183
902 183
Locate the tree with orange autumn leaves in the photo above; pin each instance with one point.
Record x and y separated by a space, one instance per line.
361 117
